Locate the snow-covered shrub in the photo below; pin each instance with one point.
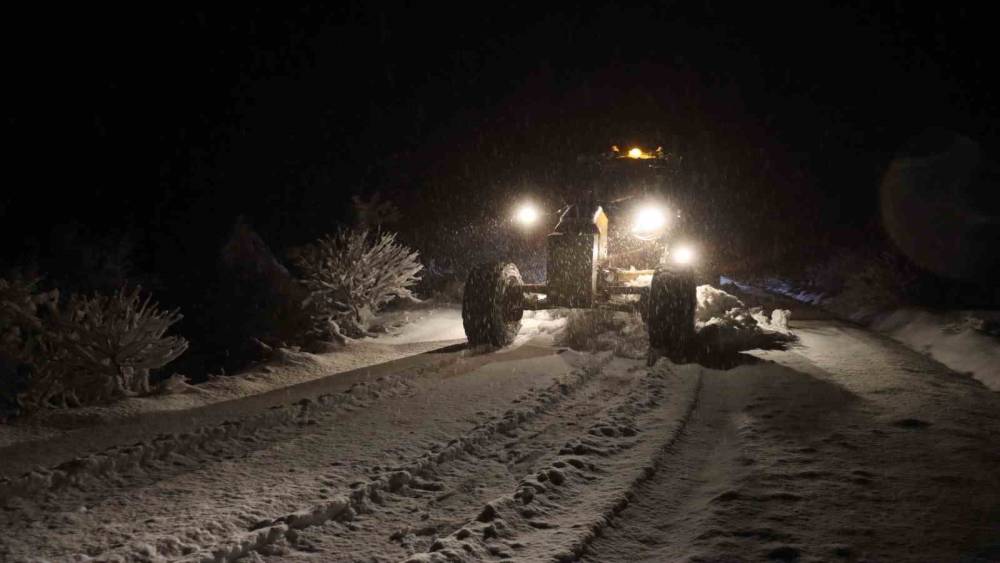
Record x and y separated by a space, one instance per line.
114 341
32 362
45 373
19 327
17 312
350 275
92 350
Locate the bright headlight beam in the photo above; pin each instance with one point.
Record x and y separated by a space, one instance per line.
684 255
526 214
649 221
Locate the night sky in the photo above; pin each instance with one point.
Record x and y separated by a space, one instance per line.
281 113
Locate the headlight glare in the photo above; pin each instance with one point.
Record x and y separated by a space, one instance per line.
526 214
684 255
650 221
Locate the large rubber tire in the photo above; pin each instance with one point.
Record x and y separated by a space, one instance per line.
492 305
670 316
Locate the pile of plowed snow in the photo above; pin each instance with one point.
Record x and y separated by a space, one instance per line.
716 307
725 326
623 333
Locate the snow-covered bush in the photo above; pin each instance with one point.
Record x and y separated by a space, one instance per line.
114 341
350 275
32 363
94 349
17 312
19 324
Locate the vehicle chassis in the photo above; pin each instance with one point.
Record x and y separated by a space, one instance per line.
580 276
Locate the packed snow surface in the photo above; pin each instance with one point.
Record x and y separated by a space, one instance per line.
965 341
566 446
957 339
408 333
435 324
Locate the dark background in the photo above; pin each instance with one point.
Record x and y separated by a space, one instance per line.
787 114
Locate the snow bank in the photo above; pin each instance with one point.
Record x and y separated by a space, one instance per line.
959 339
286 368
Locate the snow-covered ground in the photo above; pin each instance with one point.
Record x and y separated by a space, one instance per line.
967 341
427 324
845 447
957 339
409 333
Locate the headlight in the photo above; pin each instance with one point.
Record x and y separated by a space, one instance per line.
649 223
684 255
526 214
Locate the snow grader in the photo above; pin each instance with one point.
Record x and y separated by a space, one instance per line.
591 260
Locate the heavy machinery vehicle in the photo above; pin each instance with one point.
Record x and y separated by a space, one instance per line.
583 273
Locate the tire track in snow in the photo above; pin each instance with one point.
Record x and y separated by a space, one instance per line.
443 498
667 502
556 513
231 436
367 496
235 437
777 465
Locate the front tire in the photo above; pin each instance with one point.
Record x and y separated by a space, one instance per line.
492 305
671 312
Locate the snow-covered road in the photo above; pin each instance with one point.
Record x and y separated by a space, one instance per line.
847 447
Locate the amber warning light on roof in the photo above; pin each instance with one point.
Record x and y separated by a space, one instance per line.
637 153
